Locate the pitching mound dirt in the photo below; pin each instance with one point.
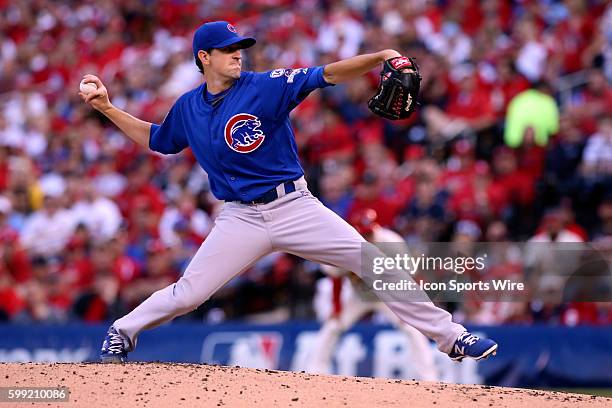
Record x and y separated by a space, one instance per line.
193 385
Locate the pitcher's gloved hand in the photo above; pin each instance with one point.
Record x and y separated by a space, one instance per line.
396 97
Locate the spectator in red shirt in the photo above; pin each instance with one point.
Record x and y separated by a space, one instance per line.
124 267
469 107
77 269
140 189
460 167
481 200
519 186
48 294
333 141
368 194
508 83
593 102
572 36
14 268
14 257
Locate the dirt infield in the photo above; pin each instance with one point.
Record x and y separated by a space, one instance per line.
192 385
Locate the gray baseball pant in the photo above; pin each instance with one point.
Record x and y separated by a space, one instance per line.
295 223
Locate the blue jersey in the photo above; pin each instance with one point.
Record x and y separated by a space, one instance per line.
244 142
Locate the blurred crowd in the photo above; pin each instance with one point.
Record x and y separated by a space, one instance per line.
512 142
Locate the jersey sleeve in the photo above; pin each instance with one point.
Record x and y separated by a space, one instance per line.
284 89
171 136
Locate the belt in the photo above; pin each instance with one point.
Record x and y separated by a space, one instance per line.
271 195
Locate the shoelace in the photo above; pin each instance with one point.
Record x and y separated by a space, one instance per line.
115 343
468 338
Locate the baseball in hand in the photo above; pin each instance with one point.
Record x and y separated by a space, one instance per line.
87 87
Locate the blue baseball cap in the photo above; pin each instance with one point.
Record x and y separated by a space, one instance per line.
218 34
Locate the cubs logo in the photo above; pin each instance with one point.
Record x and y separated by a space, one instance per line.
231 28
242 133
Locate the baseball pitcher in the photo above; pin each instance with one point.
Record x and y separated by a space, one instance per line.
237 125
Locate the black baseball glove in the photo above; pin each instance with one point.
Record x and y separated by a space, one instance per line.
398 91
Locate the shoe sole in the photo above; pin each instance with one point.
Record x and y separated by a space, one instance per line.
490 352
111 360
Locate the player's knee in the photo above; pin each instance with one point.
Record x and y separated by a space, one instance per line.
185 297
186 304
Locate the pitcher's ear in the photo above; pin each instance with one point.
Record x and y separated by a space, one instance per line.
204 56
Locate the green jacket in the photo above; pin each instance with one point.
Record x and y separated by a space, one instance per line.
531 108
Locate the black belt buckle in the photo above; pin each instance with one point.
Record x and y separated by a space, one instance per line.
268 197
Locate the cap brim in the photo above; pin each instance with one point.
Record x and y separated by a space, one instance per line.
245 42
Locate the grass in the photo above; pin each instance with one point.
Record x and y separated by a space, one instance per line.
602 392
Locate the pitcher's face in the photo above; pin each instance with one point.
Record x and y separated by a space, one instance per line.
226 61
